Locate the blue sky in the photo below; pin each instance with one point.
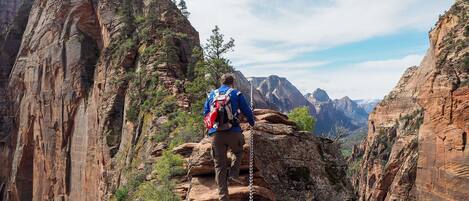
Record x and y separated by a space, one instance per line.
355 48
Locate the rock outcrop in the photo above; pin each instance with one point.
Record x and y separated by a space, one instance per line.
289 165
416 147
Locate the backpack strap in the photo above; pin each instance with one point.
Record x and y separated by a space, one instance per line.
228 92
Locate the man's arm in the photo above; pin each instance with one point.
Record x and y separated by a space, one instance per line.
246 110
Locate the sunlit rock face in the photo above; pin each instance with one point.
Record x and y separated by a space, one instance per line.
416 147
64 133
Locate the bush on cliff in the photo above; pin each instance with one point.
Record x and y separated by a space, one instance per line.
302 118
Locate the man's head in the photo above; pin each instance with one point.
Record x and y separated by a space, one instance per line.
227 79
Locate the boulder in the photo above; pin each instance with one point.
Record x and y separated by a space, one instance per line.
273 117
185 149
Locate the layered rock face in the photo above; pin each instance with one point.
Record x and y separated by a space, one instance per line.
68 94
443 164
416 147
289 165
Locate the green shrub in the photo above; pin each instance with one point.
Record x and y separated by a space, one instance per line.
302 118
149 192
346 152
163 132
132 113
354 168
169 165
122 193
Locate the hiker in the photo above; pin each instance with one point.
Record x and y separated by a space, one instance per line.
224 129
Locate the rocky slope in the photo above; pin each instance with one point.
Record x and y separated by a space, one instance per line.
311 170
416 147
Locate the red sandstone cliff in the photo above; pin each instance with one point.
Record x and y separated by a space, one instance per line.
416 147
64 100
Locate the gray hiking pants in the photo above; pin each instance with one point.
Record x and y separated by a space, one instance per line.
221 142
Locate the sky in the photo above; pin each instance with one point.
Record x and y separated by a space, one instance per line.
355 48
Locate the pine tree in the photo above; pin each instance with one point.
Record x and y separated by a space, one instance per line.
216 64
183 7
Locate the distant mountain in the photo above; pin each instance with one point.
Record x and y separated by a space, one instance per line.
281 93
352 110
243 85
368 104
328 117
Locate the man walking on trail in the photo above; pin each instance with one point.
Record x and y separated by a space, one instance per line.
227 135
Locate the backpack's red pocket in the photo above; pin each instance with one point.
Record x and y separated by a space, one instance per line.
210 119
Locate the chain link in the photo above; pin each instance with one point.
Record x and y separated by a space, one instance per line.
251 166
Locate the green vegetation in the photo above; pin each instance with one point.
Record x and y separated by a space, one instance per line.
302 118
354 168
144 50
411 122
168 166
124 192
347 143
215 64
148 191
121 193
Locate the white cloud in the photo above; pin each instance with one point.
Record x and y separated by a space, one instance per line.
299 26
390 64
366 80
270 35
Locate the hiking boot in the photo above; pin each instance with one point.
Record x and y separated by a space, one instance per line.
236 181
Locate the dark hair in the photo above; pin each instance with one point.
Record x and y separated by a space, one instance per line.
227 79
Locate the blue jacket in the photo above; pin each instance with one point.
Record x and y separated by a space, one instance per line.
237 102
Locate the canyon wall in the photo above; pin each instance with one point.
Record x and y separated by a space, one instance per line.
416 147
67 93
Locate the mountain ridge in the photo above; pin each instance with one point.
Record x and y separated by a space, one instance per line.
330 114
